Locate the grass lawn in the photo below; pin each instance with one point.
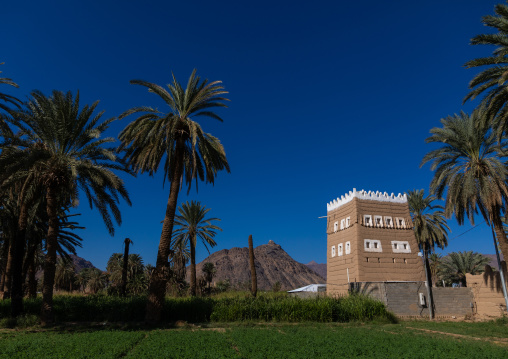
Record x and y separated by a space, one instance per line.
309 340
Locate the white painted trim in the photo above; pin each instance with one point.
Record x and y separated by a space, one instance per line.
380 221
370 195
336 226
333 251
388 222
340 249
367 220
372 245
401 247
348 247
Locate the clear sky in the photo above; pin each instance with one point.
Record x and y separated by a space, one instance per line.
326 96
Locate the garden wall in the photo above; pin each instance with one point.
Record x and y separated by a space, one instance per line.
487 292
402 298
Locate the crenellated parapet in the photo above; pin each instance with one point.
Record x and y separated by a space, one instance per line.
370 195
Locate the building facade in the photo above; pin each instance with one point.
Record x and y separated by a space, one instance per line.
370 239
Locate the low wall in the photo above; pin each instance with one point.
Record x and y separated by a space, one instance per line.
487 292
403 298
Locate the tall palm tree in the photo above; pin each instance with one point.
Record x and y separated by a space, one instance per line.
65 274
430 228
59 153
435 263
456 265
470 166
97 280
492 80
187 153
193 225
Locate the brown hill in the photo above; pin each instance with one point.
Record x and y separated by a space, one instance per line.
319 268
273 265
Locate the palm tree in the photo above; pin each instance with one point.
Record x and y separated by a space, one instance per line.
430 230
209 271
455 266
6 99
97 280
59 153
65 274
470 167
193 225
435 264
127 242
188 152
492 81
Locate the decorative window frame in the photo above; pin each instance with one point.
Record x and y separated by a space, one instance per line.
372 245
348 222
340 249
380 221
342 224
388 222
348 247
398 221
367 220
401 247
336 226
333 251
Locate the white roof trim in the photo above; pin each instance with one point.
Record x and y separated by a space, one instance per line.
370 195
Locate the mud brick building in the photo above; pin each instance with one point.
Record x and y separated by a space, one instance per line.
370 238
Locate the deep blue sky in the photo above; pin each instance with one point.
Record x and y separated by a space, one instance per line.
325 96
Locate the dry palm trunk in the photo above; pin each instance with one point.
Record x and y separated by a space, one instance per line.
17 268
124 269
32 281
193 267
50 259
8 270
158 282
254 278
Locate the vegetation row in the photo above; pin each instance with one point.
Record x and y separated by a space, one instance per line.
100 308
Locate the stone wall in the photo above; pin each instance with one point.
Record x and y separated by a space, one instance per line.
402 298
487 292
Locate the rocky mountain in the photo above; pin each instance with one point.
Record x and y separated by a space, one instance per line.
273 265
80 263
319 268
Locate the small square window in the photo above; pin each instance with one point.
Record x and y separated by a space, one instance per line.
400 222
388 222
378 220
367 220
405 246
375 244
367 244
379 260
395 246
405 261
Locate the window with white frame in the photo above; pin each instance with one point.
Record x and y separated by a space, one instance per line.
348 247
378 221
401 247
372 245
342 223
348 222
339 247
388 222
400 222
367 220
336 226
333 251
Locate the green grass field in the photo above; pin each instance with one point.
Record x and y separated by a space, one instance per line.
310 340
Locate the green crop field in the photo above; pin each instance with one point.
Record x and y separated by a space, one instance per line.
310 340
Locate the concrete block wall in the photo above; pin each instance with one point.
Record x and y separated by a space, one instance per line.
402 298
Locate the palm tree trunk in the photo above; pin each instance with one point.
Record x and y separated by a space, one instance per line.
124 269
429 283
253 276
32 281
158 282
8 270
499 231
17 268
50 259
501 236
193 267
